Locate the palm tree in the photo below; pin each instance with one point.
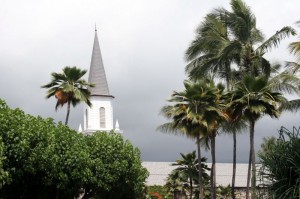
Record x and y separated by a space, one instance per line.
204 57
232 127
187 169
176 185
194 114
185 122
217 119
204 51
227 37
69 87
242 24
252 98
179 178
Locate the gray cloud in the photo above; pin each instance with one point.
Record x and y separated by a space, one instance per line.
142 44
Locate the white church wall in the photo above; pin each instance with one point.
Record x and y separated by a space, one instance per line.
93 117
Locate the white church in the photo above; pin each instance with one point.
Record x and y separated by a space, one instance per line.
98 117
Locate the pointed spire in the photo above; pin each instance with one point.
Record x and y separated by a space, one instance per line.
79 129
97 73
117 128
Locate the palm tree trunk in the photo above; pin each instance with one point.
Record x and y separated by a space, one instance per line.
68 112
57 193
234 165
213 166
229 88
191 187
248 176
200 168
253 176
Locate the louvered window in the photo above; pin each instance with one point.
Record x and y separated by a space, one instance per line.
86 118
102 117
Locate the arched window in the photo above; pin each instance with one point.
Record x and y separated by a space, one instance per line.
102 117
86 118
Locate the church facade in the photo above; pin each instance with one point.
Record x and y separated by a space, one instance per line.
98 117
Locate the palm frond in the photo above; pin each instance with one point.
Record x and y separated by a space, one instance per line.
69 85
291 106
274 40
292 67
294 48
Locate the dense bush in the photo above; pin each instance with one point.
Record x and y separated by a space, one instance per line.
41 159
280 159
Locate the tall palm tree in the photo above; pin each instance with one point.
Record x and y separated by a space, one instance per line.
218 102
69 87
204 57
185 121
247 43
231 37
203 54
227 37
252 98
233 127
194 114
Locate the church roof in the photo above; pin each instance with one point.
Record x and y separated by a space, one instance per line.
159 172
97 73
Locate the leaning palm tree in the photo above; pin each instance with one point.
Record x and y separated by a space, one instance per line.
248 45
195 114
69 87
252 98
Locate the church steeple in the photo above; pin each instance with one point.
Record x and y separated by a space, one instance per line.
97 73
98 117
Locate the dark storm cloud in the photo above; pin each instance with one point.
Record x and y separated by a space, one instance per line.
142 44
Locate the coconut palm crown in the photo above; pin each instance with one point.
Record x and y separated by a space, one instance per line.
69 87
252 98
194 113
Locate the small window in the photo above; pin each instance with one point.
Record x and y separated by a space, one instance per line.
102 117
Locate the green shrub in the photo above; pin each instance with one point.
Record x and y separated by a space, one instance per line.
280 159
41 159
161 190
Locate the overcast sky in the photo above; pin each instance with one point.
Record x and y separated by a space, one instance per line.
142 44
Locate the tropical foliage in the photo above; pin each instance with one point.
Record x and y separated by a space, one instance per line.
228 46
196 112
252 98
41 159
280 159
69 87
185 176
179 180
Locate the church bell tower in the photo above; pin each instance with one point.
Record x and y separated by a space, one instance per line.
98 117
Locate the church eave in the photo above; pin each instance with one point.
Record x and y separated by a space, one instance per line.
110 96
